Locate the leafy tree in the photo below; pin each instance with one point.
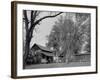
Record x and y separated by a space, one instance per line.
69 36
62 36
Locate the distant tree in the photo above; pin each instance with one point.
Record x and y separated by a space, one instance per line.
83 22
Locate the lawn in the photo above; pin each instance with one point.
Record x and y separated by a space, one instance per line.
57 65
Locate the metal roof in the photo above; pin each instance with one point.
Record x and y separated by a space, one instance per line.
42 47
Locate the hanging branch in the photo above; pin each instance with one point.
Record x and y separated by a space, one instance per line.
32 26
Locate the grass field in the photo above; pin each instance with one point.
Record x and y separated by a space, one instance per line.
57 65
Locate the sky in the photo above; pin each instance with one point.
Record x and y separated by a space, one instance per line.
43 30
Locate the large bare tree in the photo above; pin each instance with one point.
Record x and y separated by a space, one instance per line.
30 24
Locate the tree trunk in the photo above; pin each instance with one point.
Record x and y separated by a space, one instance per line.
27 49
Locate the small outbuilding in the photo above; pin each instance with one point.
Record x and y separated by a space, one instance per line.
43 54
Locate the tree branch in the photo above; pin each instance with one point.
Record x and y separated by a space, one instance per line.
26 20
47 17
42 19
33 16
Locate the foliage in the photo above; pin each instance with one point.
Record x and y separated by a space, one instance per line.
67 36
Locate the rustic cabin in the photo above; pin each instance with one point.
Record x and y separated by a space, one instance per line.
80 57
86 57
42 54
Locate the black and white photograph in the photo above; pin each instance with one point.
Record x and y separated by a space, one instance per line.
53 39
56 39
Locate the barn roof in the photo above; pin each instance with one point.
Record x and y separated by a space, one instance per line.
41 47
44 50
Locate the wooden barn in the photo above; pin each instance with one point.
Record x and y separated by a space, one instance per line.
42 54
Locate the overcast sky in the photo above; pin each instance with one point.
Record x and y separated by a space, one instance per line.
43 30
